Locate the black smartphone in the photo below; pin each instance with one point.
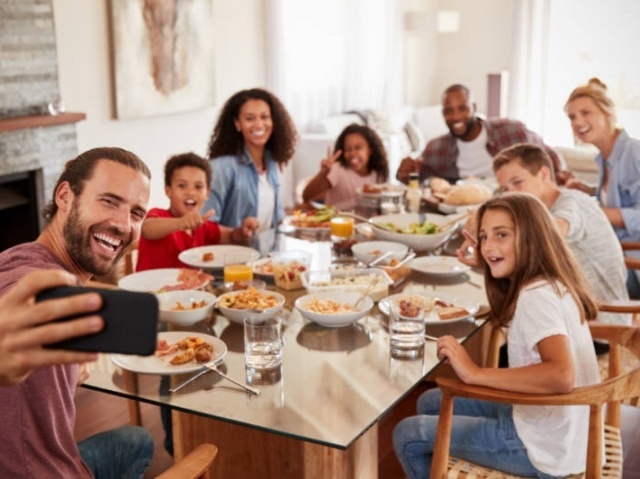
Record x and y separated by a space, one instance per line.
131 321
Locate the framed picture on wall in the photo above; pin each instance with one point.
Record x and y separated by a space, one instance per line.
163 54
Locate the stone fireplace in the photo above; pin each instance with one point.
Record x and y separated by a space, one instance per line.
34 146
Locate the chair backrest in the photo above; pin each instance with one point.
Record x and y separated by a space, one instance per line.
194 465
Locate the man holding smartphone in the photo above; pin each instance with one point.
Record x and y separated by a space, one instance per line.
99 203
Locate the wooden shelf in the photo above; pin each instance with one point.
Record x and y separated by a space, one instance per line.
23 122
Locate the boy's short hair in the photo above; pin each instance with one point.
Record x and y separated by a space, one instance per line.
529 156
182 160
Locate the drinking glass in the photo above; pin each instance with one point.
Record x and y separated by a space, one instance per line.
262 343
342 232
236 268
406 331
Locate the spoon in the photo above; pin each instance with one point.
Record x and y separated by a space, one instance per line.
365 293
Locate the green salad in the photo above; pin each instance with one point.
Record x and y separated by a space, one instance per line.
426 228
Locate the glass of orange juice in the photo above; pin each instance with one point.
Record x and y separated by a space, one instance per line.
236 268
342 235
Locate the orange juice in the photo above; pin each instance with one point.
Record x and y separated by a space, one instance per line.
237 272
342 227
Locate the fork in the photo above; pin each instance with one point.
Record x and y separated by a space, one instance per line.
214 368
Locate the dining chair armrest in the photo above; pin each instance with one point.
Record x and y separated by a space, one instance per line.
620 306
630 245
193 465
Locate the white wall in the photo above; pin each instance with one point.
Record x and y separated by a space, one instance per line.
86 82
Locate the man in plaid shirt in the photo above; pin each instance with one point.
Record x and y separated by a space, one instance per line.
472 142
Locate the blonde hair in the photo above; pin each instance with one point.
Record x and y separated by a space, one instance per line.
597 91
541 254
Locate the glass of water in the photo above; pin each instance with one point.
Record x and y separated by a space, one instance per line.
262 343
406 328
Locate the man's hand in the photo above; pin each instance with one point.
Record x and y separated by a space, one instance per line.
576 184
468 250
26 326
408 166
194 219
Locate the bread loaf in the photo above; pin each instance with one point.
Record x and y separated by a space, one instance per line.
468 194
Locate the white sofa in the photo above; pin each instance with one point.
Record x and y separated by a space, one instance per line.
404 131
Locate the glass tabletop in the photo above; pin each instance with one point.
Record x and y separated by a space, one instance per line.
333 385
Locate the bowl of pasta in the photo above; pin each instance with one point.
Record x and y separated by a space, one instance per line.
334 309
185 308
237 305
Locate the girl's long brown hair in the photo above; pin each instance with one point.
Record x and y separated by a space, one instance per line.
541 254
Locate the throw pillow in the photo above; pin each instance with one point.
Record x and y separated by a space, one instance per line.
415 136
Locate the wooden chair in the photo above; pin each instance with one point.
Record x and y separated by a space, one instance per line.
194 465
618 387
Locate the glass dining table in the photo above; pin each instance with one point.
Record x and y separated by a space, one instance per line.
318 414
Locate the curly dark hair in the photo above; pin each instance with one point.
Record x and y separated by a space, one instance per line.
225 140
186 159
80 169
378 159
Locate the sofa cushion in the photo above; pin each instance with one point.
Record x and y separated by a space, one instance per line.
415 136
333 125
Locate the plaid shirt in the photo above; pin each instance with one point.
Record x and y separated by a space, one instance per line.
440 156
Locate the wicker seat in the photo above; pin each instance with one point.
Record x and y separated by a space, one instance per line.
618 387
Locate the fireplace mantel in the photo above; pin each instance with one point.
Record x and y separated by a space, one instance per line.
23 122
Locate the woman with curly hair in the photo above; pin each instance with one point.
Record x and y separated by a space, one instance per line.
359 159
593 120
254 135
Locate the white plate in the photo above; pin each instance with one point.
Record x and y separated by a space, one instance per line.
388 190
160 365
288 219
193 256
439 265
470 305
153 280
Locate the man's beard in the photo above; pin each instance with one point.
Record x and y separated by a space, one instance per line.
78 239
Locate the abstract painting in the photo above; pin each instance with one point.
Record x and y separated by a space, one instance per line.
163 56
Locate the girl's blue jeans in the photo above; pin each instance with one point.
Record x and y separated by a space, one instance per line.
482 432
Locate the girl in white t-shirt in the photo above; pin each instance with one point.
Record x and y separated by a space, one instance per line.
359 159
536 288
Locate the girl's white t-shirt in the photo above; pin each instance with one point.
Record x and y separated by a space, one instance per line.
555 436
266 202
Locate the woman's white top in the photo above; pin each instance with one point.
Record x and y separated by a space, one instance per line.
266 202
555 436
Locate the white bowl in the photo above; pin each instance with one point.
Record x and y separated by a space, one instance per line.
368 250
237 315
335 320
188 316
419 242
347 280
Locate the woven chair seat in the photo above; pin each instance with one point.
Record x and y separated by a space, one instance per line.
612 469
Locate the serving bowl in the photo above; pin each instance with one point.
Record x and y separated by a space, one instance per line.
337 319
185 308
418 242
237 305
367 251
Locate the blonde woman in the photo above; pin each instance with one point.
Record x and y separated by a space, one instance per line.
593 120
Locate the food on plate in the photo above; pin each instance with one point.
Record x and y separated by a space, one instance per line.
208 256
396 273
187 279
185 350
410 306
439 186
319 218
239 285
426 228
264 268
371 189
327 306
287 275
451 312
194 305
249 299
364 279
467 194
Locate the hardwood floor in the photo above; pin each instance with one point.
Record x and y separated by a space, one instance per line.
97 412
